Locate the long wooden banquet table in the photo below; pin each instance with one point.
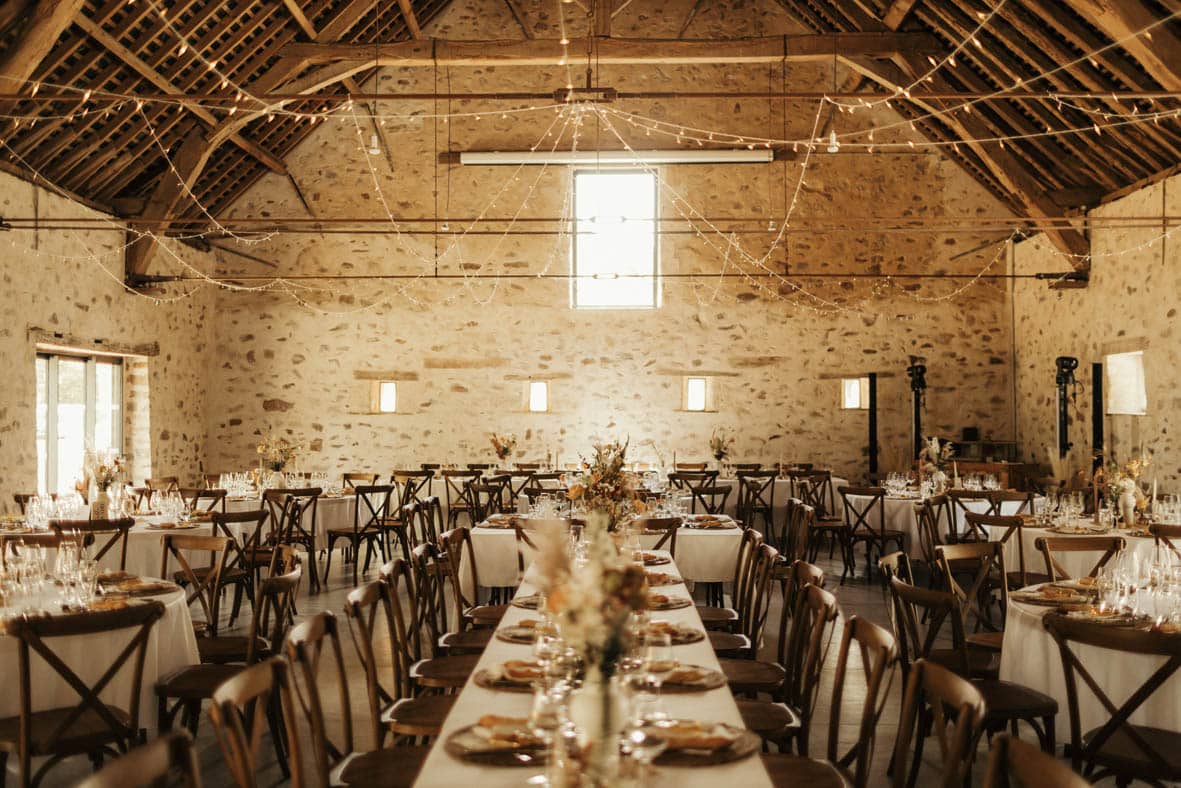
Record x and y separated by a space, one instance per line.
442 770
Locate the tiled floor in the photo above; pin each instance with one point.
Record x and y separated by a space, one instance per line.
856 597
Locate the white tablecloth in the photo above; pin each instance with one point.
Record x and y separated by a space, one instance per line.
441 770
1029 656
172 645
704 556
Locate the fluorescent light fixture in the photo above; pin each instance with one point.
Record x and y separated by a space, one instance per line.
617 157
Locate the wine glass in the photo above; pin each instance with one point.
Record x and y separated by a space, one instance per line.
547 718
658 663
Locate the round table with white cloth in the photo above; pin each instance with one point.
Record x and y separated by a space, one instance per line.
1075 564
1030 657
172 645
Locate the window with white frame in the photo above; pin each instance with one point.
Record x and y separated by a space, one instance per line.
386 397
79 406
538 396
855 394
696 394
615 256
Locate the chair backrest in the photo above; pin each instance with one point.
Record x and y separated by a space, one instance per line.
479 466
1133 744
169 759
1013 763
752 612
815 489
273 610
959 500
200 499
712 497
756 491
400 600
460 559
365 609
293 513
919 616
878 652
456 485
350 480
241 709
22 499
689 479
988 561
247 543
803 655
413 483
163 484
1168 536
485 499
926 514
748 545
37 634
114 530
978 531
203 588
1022 499
431 522
431 583
665 526
689 466
305 649
371 507
1105 546
865 509
947 701
793 544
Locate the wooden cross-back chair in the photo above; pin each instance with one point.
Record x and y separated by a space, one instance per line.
665 528
460 561
940 702
371 508
456 484
88 726
714 615
1117 747
517 480
204 587
815 488
1106 546
479 466
753 606
243 707
933 517
1010 529
432 583
1005 703
984 565
115 532
166 760
691 467
487 497
878 658
248 554
293 522
1014 764
549 483
712 497
1168 537
746 467
349 481
224 656
756 497
792 542
165 484
415 485
959 500
431 522
203 499
867 523
686 479
48 540
795 677
999 498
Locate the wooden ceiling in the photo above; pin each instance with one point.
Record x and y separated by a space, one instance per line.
111 157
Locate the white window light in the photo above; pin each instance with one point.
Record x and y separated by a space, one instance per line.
1126 393
538 396
615 257
387 397
695 393
855 394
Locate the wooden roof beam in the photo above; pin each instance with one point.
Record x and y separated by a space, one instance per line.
429 53
44 25
1158 51
1009 171
514 7
411 19
895 13
272 162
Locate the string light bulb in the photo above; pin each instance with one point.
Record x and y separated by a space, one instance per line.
834 145
374 145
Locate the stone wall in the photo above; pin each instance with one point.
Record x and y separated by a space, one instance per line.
55 283
462 350
1131 303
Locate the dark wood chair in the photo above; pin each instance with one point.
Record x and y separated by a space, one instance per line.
999 498
959 500
867 524
115 532
371 506
349 481
432 584
163 484
203 500
456 484
756 498
246 704
248 554
166 760
878 653
204 589
460 560
1105 546
664 527
88 726
1009 528
293 522
971 571
1167 537
1014 764
717 616
786 718
336 759
752 605
225 656
826 527
1006 703
1118 748
940 702
691 467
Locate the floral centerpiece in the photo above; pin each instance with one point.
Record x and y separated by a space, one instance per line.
276 452
592 604
1122 482
503 445
933 459
604 486
721 444
104 468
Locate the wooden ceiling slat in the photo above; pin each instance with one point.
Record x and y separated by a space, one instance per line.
1158 52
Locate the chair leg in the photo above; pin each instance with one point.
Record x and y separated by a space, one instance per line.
275 720
163 718
328 563
356 562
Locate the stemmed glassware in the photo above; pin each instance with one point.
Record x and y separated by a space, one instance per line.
659 664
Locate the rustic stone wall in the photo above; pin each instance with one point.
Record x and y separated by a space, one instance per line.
59 286
462 350
1130 304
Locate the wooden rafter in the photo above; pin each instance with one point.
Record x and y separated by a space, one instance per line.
514 8
430 53
895 13
46 20
601 19
411 19
1159 51
273 163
